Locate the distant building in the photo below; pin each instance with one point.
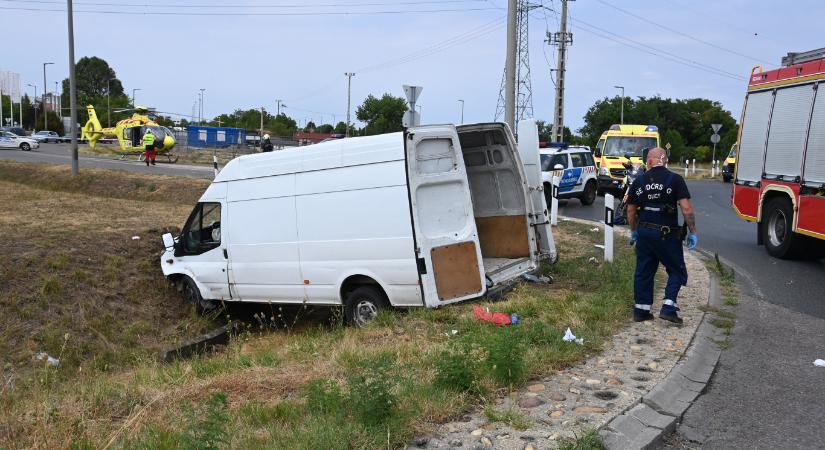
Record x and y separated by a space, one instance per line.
203 136
304 138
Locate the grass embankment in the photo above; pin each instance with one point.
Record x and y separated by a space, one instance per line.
313 385
74 284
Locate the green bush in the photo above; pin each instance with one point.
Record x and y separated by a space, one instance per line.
207 426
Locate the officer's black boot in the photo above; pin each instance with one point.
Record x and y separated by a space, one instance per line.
671 317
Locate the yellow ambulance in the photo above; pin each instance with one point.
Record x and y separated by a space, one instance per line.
618 145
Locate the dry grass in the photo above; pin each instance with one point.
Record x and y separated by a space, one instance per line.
267 376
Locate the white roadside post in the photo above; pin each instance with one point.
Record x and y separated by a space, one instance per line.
687 164
554 202
215 164
694 165
608 227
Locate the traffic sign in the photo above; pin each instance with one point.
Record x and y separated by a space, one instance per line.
412 93
411 119
715 138
667 146
716 127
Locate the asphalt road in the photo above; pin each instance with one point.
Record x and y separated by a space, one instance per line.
766 392
61 154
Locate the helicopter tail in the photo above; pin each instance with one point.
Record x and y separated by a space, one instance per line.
92 131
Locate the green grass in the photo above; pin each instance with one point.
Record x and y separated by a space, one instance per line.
589 440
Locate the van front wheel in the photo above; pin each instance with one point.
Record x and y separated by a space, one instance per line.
363 304
192 295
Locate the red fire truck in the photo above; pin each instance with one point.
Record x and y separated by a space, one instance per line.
780 172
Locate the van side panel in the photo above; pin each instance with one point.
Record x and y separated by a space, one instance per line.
263 247
356 221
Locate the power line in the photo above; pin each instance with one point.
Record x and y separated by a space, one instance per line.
680 33
203 6
255 14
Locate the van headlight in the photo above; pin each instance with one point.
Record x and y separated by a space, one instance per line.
604 171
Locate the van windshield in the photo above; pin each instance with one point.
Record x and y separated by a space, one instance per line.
628 145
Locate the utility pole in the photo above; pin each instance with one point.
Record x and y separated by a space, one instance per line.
278 101
134 105
34 127
200 108
621 114
108 105
45 90
561 38
1 104
59 111
349 76
462 111
261 130
510 66
72 91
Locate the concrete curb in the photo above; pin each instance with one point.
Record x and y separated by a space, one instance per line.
657 414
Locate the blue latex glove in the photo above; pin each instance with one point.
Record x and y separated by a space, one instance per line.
692 241
634 236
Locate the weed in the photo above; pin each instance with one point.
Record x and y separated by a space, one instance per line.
457 370
725 324
324 397
207 426
370 392
724 344
587 441
505 355
261 414
510 417
50 287
730 300
58 261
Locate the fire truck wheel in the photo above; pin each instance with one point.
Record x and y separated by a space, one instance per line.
777 230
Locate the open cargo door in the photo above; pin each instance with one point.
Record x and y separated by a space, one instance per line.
447 244
528 148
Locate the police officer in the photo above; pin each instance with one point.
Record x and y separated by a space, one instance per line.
654 223
149 147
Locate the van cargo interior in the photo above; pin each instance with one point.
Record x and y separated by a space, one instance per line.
498 198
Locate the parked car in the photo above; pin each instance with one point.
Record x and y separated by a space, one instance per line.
46 136
579 177
11 140
431 216
17 131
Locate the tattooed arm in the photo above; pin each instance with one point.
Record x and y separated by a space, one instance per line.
689 214
632 216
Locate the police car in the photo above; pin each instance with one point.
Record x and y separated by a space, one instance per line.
578 172
9 140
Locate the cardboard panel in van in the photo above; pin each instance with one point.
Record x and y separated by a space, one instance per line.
456 270
503 236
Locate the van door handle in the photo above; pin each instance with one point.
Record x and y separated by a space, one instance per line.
225 254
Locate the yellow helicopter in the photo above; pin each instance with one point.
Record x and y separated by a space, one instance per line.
129 132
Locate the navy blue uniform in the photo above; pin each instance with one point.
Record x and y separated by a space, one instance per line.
656 194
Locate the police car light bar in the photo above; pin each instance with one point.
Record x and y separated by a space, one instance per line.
652 128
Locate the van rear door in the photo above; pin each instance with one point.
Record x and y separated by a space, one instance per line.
528 148
447 245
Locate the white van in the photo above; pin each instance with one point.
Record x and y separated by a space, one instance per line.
426 217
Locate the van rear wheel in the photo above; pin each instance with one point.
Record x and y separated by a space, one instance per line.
363 305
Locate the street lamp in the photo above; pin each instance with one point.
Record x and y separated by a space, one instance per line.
133 97
621 118
34 126
45 89
108 105
462 111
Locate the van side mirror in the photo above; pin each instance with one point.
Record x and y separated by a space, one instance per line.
597 152
558 167
168 241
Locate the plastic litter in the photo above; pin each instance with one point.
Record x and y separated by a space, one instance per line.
819 363
135 238
593 260
42 356
496 318
599 246
451 333
536 279
570 337
594 229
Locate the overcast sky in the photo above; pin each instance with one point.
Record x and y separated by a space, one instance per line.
674 48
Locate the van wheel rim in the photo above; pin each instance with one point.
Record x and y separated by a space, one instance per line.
777 228
365 311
